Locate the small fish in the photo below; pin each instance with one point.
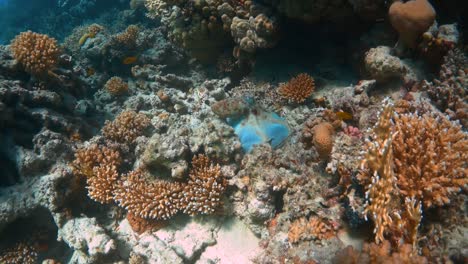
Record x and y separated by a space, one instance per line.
90 71
129 60
344 115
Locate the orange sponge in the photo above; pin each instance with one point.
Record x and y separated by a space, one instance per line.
411 19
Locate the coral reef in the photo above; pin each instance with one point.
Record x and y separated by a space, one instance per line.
116 86
298 89
126 127
37 53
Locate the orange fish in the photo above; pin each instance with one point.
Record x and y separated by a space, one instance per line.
129 60
344 115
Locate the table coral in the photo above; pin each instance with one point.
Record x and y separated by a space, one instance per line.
37 53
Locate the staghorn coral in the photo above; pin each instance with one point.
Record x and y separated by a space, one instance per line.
37 53
126 127
22 252
116 86
298 89
148 199
411 160
374 253
430 155
411 19
202 194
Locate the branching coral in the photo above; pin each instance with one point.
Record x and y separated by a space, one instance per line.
21 252
37 53
148 199
127 38
102 184
298 89
126 127
411 160
116 86
315 228
163 199
202 194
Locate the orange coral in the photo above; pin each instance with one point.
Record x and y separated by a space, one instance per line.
315 228
202 195
323 138
88 158
102 184
298 89
140 225
37 53
126 127
411 19
116 86
375 253
128 38
22 252
148 199
430 158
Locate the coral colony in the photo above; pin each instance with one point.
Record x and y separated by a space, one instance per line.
233 131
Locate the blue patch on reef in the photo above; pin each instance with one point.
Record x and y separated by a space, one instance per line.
260 127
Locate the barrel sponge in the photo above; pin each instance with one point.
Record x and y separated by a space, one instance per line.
411 19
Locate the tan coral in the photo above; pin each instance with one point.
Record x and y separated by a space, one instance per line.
126 127
298 89
102 184
323 139
411 19
297 230
148 199
202 194
127 38
116 86
37 53
88 158
21 252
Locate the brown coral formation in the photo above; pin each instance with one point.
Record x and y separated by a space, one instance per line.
128 38
37 53
140 225
116 86
21 252
411 19
202 194
163 199
449 91
102 184
148 199
323 139
298 89
315 228
126 127
411 160
375 253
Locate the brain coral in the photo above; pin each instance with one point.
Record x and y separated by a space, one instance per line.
37 53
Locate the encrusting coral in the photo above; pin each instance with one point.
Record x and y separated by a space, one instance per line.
37 53
126 127
116 86
298 89
323 139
